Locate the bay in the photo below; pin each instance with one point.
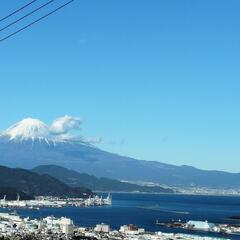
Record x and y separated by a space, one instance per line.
144 209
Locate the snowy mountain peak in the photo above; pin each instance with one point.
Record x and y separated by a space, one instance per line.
31 130
27 129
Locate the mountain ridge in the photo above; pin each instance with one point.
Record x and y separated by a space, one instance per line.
76 179
83 157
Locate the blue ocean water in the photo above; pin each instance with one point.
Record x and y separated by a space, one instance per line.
144 209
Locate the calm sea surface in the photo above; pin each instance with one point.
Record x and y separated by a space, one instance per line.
144 209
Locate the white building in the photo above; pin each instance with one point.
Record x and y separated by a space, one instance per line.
67 229
65 225
102 228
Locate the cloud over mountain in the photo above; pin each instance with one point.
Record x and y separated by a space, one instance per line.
61 129
63 125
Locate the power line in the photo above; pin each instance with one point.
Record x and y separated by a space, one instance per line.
39 19
27 15
18 10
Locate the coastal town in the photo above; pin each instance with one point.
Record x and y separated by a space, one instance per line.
12 226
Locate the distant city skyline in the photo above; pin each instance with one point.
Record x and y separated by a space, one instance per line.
154 80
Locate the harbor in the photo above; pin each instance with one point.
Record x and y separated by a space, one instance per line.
55 202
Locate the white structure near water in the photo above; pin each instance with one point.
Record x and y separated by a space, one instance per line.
200 225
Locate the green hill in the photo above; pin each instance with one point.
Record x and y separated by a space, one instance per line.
34 184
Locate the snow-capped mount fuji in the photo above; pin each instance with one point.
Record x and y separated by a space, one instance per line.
28 129
34 131
30 143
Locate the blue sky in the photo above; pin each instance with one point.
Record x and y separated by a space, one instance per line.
157 80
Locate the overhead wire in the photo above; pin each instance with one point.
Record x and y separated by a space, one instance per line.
27 15
18 10
36 21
